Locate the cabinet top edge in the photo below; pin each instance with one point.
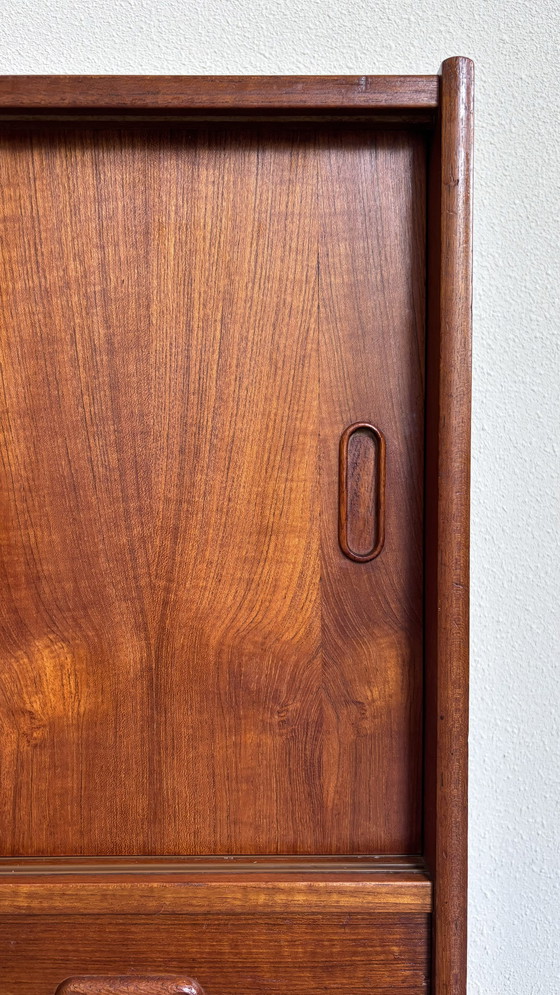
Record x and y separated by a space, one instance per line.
207 94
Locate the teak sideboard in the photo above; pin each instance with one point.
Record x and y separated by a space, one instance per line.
235 417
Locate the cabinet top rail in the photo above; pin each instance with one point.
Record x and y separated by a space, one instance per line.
212 94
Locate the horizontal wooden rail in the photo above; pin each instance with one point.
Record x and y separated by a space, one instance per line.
232 94
220 892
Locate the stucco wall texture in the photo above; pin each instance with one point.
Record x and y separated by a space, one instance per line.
514 789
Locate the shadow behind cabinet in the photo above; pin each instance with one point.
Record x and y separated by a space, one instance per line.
235 482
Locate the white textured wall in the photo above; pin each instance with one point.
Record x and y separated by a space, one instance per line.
514 900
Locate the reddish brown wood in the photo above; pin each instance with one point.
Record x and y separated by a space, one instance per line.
361 380
245 955
447 523
100 891
341 94
190 663
154 333
234 864
361 502
148 984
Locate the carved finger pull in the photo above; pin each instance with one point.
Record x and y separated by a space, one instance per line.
362 471
141 984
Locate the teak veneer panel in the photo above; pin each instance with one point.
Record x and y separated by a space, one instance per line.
190 320
245 955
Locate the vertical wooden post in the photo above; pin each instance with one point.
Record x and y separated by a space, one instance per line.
447 525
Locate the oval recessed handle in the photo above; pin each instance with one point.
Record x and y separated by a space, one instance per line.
141 984
361 501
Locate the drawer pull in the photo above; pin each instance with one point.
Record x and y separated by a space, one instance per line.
141 984
361 506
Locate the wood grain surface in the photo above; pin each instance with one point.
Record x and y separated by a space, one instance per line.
207 94
447 523
361 502
233 864
148 984
270 891
189 663
245 955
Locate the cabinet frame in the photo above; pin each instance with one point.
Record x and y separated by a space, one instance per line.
443 106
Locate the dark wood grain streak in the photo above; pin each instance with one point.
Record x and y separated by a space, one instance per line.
245 955
447 523
154 984
342 94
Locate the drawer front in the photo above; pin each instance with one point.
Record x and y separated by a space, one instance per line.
226 954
